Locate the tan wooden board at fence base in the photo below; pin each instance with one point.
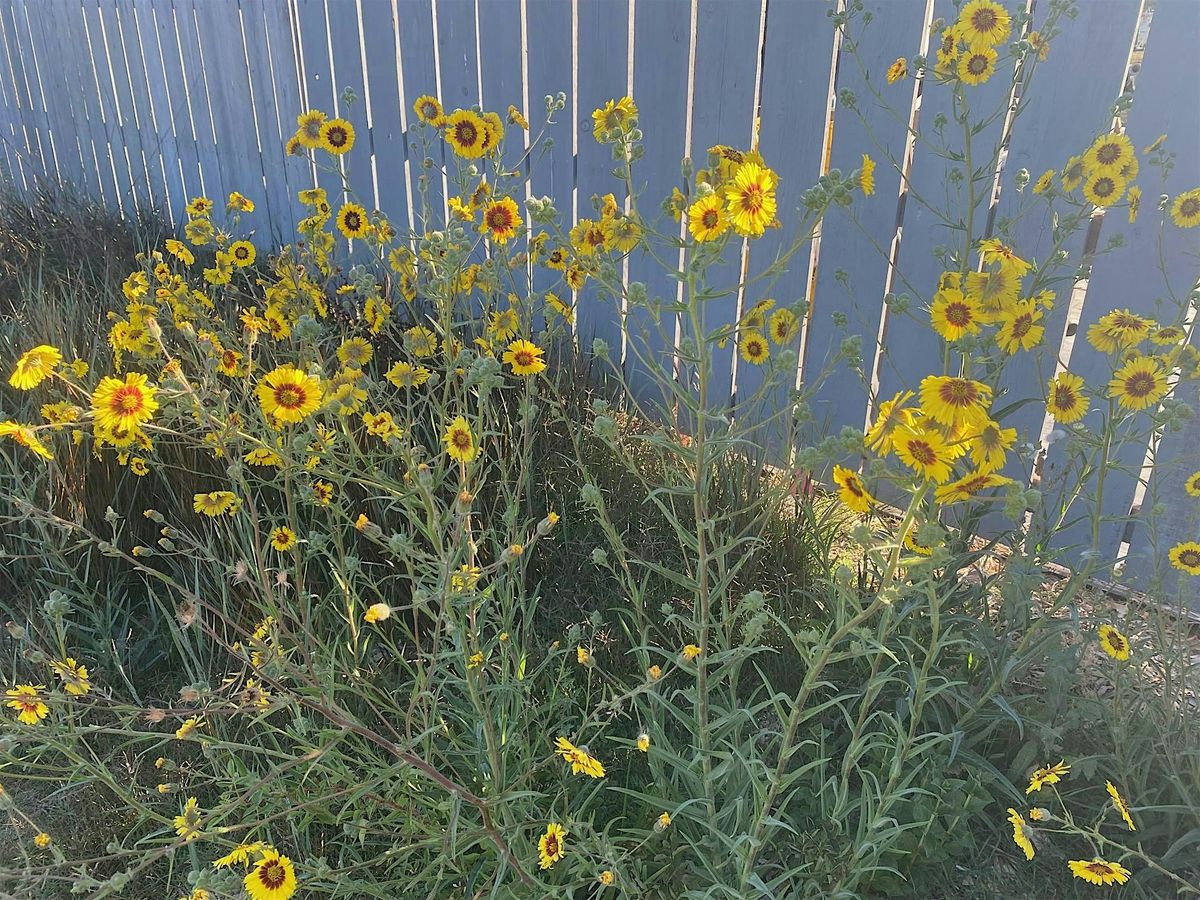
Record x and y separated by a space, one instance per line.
149 102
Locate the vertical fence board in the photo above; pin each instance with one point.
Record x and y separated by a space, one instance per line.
58 92
141 113
141 23
125 105
660 88
854 252
1129 279
8 169
389 110
603 75
25 69
348 73
85 102
287 102
415 24
320 91
25 143
198 100
114 133
166 39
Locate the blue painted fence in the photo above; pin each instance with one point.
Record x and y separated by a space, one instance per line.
145 103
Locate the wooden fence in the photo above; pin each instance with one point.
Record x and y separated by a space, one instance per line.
150 102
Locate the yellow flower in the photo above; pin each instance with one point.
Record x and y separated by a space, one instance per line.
968 486
184 731
382 425
1118 330
614 116
1139 383
515 116
242 254
1186 557
583 655
73 676
262 456
466 133
1072 173
783 326
1019 328
851 490
239 203
988 447
984 22
891 415
995 251
690 652
606 877
753 347
124 405
199 208
406 375
501 220
977 64
866 176
706 218
897 70
377 612
337 136
287 394
188 823
1044 181
420 341
525 358
1020 836
1185 209
1066 401
272 878
589 237
654 673
355 352
1114 643
1047 775
26 437
42 840
751 199
352 221
555 303
1135 202
428 109
643 742
34 367
475 661
953 401
552 846
283 538
924 451
1121 806
308 128
26 700
663 822
580 760
199 231
1109 154
459 441
1097 871
621 233
322 492
1192 485
954 314
1102 189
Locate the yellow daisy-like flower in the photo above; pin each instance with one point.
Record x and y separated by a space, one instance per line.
272 878
199 208
1119 329
308 128
1134 198
783 326
923 451
954 314
984 22
421 341
288 394
866 176
606 878
229 363
242 254
1020 835
525 358
180 251
953 401
1072 173
552 846
995 251
1192 485
73 676
26 437
240 855
1044 181
554 302
263 457
1119 803
621 233
897 70
188 823
967 487
352 221
690 652
501 220
989 446
1185 209
337 136
377 612
851 490
459 441
42 840
891 415
355 352
580 760
382 425
1186 557
750 198
643 742
466 133
613 116
323 492
1065 400
977 64
405 375
707 220
753 347
1097 871
663 822
1109 154
283 538
428 109
119 406
26 700
1047 775
1103 189
1113 642
214 503
34 367
1019 328
517 118
1139 383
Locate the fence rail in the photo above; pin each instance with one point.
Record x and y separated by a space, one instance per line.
145 103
